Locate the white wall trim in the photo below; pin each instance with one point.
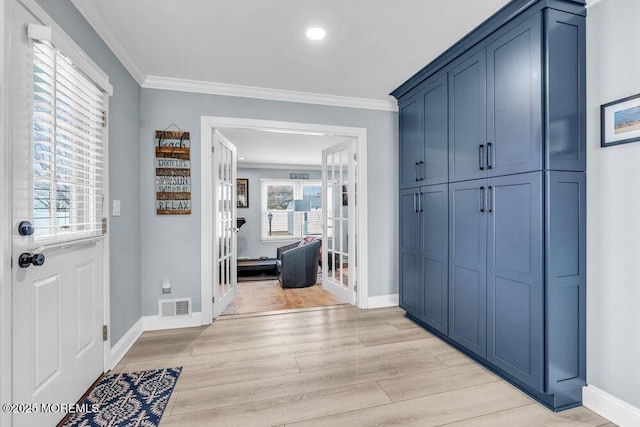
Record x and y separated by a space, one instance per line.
610 407
212 88
156 323
245 165
125 343
109 36
380 301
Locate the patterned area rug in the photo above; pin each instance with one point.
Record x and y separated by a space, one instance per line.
128 399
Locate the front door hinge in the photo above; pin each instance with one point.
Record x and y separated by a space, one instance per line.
213 149
213 299
104 225
105 332
355 156
355 288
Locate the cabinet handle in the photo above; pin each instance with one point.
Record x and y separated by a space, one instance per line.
422 171
481 199
490 196
419 202
489 156
417 172
415 203
481 156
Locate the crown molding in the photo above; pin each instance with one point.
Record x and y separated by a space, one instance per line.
109 36
183 85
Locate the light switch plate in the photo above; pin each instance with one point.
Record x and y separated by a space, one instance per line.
116 208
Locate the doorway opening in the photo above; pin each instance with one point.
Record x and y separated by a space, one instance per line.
294 187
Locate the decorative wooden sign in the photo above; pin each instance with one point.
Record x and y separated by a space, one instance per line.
173 173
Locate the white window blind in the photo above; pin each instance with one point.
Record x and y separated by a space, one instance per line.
68 147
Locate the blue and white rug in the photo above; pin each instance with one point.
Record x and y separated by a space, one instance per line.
127 399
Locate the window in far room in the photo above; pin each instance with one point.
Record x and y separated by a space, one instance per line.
291 209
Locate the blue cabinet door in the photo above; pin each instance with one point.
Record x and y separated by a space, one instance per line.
410 252
434 217
435 166
515 309
467 265
514 100
411 142
468 118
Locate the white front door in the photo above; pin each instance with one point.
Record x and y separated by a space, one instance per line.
339 240
224 274
57 272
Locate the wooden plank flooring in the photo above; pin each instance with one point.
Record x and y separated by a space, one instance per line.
337 366
267 295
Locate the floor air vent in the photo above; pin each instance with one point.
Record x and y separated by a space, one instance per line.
175 307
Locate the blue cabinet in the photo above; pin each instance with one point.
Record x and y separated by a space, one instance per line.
467 118
515 276
434 298
492 221
423 135
468 265
424 254
410 251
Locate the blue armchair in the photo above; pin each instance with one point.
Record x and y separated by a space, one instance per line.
297 266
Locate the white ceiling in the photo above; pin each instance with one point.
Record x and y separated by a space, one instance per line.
372 46
258 48
262 148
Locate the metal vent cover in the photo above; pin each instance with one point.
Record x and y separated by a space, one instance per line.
174 307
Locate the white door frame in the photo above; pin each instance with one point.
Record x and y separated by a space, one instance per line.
208 124
6 208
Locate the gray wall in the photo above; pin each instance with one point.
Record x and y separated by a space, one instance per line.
124 179
249 243
613 206
171 244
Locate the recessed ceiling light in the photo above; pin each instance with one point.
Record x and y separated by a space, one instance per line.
316 33
240 158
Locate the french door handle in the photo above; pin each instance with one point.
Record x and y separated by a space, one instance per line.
481 199
489 156
481 156
490 197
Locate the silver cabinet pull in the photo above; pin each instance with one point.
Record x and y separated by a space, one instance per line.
490 196
489 156
481 199
481 156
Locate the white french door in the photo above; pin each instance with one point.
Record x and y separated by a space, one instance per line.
57 244
224 272
339 240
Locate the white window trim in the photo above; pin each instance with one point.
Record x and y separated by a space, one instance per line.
297 193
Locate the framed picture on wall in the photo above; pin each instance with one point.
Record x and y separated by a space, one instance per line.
242 185
620 121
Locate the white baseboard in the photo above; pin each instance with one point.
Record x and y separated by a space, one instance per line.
155 323
124 344
615 410
383 301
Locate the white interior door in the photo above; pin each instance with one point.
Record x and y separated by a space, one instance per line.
58 186
339 242
225 273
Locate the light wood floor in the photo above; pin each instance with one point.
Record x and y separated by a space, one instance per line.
268 295
337 366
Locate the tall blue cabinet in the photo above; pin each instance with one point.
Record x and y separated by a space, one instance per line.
492 197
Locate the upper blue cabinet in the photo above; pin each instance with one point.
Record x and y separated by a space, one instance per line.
506 99
423 135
